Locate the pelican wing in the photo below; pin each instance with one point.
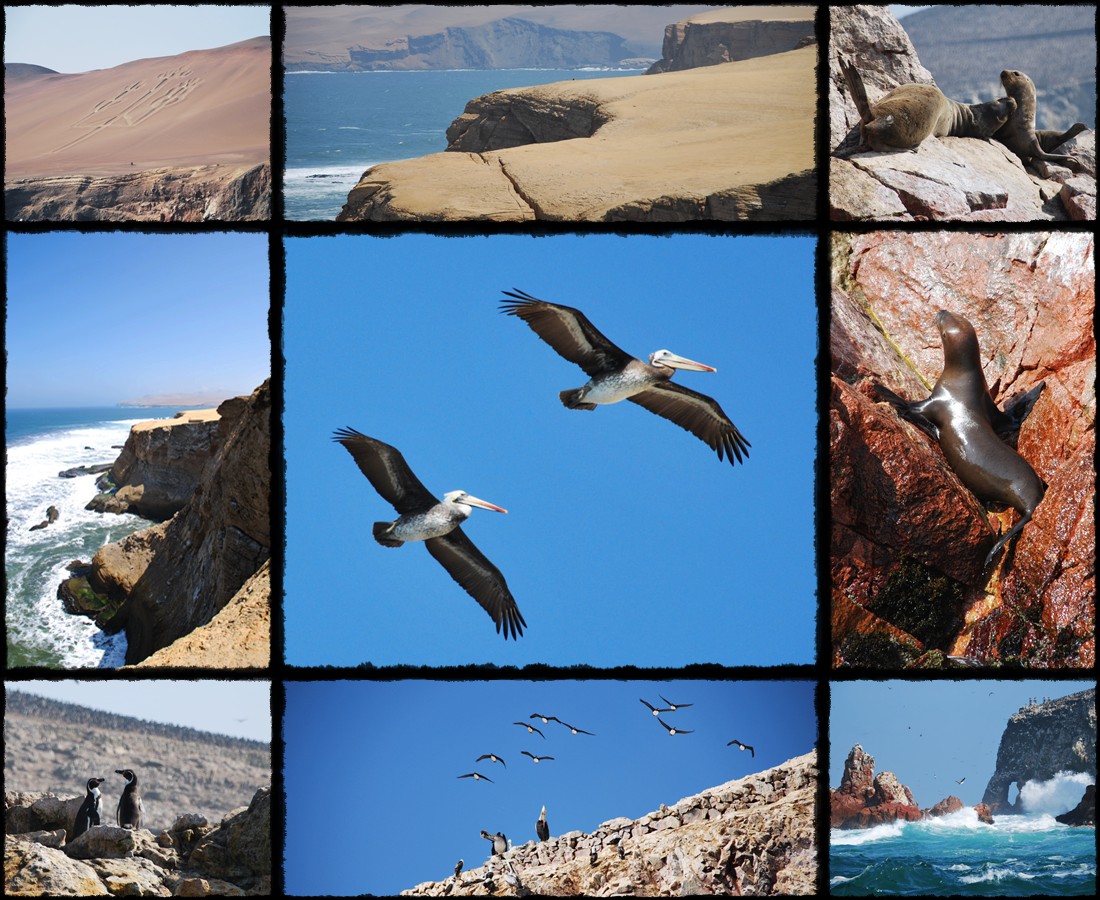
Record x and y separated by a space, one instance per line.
568 331
480 578
697 413
387 471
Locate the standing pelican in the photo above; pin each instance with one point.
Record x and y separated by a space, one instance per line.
424 518
616 375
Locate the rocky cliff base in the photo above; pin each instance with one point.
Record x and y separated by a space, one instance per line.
725 142
1041 741
908 539
221 193
177 576
753 836
944 179
191 858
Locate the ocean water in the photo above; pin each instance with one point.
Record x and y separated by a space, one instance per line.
338 124
1017 856
41 443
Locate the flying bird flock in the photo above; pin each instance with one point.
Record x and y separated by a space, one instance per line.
614 375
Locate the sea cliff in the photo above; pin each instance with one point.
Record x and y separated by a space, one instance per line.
731 141
174 577
754 835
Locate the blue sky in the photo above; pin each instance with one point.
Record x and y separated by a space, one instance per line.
931 733
81 38
216 706
378 764
96 319
627 540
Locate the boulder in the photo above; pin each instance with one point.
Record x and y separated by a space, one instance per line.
945 807
1084 813
863 801
984 815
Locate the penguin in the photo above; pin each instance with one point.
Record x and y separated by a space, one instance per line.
500 842
88 815
130 812
541 828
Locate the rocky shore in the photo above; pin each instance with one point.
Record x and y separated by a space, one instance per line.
200 578
724 141
218 193
754 835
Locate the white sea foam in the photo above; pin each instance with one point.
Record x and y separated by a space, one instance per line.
1058 795
855 837
996 873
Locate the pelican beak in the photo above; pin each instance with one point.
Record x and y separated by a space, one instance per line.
679 362
484 504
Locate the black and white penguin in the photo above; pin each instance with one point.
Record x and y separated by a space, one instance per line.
541 828
130 812
88 815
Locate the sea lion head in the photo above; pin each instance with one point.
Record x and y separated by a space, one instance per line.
960 341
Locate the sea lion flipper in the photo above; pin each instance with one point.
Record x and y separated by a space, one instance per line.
1006 537
912 412
856 89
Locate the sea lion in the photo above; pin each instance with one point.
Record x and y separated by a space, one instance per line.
1019 134
912 112
966 422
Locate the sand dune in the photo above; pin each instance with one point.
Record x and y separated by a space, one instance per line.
197 108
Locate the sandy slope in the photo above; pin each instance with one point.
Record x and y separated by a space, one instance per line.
200 107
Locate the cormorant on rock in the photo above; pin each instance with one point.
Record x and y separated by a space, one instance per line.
493 757
674 706
458 867
535 758
500 842
742 746
476 776
541 828
531 728
88 814
130 812
672 730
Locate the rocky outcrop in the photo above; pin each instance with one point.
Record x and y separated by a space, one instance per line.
178 575
618 149
754 836
709 38
190 858
985 815
216 193
159 466
507 43
945 807
1040 741
908 541
1084 813
865 799
949 178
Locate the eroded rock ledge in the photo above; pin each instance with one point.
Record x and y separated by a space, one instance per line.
754 835
192 194
176 576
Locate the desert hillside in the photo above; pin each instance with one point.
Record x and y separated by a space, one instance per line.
57 747
203 107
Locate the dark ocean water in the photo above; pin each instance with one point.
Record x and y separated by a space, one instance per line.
41 443
340 123
1017 856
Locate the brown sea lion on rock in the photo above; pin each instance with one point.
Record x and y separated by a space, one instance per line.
966 423
1019 134
912 112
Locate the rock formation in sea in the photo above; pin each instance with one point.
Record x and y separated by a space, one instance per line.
754 835
1084 813
178 575
949 178
908 540
865 799
1041 741
707 39
639 148
507 43
192 857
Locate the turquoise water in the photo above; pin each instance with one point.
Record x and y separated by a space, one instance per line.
340 123
1017 856
41 443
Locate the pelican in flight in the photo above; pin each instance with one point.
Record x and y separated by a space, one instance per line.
616 375
424 518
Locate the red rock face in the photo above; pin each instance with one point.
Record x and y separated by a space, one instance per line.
984 815
864 799
946 806
908 539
